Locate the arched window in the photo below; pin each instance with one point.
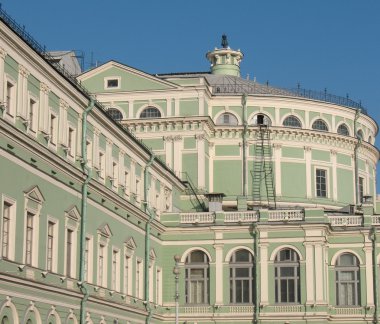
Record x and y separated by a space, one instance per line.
150 112
360 135
5 320
227 119
321 125
287 277
115 114
292 121
197 278
241 277
261 119
347 280
343 130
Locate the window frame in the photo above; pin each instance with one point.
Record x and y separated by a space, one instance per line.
218 121
339 270
317 185
113 110
294 118
111 78
253 120
150 114
345 126
292 263
320 121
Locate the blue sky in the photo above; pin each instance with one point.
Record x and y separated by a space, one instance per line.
331 44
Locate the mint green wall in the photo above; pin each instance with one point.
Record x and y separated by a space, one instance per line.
293 179
343 159
345 185
189 107
320 155
11 67
154 144
227 150
34 85
190 164
225 181
189 143
292 152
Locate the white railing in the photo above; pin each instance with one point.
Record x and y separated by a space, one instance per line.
348 310
376 220
240 217
288 309
285 215
195 309
241 309
197 218
345 220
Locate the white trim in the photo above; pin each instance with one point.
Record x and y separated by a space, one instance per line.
285 246
12 226
236 248
329 127
303 123
220 113
152 105
327 169
343 122
189 250
109 78
340 252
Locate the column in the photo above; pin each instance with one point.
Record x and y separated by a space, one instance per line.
211 155
264 273
44 114
334 175
168 107
121 168
3 54
201 160
219 273
277 165
177 150
310 280
308 171
176 107
201 104
22 93
130 109
368 274
169 150
319 271
109 158
96 147
63 106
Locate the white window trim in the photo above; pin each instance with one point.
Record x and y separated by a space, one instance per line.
33 122
139 281
12 226
159 285
55 242
11 115
90 151
53 144
36 229
328 194
117 279
128 252
71 150
90 260
106 79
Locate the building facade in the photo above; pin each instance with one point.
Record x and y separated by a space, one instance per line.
186 197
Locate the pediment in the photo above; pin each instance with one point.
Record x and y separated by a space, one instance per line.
35 194
105 230
130 243
73 213
152 255
131 79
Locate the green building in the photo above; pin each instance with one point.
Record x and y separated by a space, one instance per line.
180 198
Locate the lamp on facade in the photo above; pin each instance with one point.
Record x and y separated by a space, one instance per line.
176 272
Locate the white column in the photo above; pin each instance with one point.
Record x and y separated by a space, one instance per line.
308 171
219 273
3 54
177 150
95 146
44 114
121 168
277 116
307 119
201 160
109 158
211 155
334 175
319 270
333 123
63 106
368 274
277 165
22 92
169 150
130 109
309 273
176 107
264 273
201 104
168 107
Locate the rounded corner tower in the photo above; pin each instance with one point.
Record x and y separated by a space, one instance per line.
225 60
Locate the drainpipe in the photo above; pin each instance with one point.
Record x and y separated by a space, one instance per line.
257 290
245 128
87 172
357 145
147 239
375 274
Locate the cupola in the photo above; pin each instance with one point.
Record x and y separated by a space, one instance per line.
225 60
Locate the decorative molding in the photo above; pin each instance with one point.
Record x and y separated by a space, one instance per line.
200 137
44 87
172 138
63 104
23 71
3 53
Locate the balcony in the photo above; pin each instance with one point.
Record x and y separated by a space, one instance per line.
285 215
346 220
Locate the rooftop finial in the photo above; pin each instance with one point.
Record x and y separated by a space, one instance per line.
224 41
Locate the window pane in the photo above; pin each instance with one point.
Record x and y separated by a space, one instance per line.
197 256
242 272
242 256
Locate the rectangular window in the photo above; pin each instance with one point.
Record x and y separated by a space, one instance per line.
9 97
89 152
137 189
71 141
321 182
50 243
29 238
361 189
126 182
86 259
53 129
32 112
158 286
101 164
6 228
138 279
115 173
69 251
112 83
101 265
115 256
126 274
